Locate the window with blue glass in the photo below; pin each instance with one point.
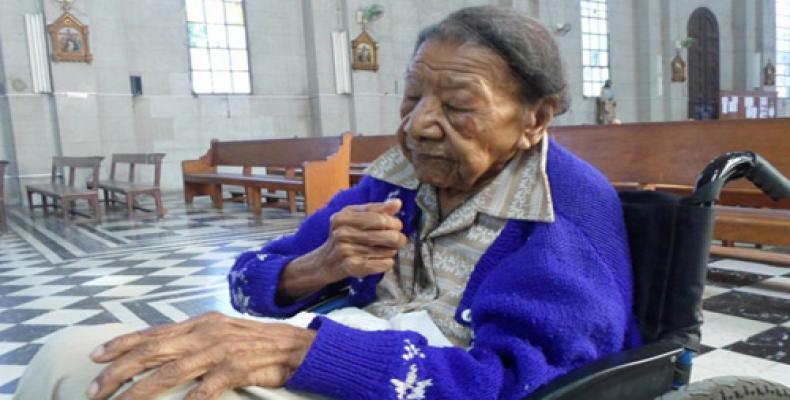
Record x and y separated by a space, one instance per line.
218 55
595 46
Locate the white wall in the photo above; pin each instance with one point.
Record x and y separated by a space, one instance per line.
293 73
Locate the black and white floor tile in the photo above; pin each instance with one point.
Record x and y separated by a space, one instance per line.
747 322
140 272
149 272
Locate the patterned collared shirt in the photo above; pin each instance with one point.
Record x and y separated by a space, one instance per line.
451 247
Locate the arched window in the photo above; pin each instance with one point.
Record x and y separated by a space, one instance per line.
218 57
595 46
783 48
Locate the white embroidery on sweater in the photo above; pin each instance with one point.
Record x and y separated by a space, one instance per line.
411 351
241 300
411 388
237 277
238 297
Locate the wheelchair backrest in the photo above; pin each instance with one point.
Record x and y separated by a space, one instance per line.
669 244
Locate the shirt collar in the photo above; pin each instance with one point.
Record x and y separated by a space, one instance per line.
521 190
393 167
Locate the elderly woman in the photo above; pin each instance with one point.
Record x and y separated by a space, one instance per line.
515 248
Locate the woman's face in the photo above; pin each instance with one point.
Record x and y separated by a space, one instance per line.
462 118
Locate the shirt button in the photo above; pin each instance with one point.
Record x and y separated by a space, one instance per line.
466 316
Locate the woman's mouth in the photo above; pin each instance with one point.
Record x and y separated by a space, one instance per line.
427 154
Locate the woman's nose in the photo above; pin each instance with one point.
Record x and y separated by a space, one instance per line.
423 122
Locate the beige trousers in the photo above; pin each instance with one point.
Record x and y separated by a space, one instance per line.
61 370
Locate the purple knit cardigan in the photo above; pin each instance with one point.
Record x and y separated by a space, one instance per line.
544 299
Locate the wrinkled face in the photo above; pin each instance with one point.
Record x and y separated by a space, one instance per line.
461 117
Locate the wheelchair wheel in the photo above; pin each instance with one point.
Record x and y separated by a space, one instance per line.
730 387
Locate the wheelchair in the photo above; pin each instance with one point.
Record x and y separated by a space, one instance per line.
670 237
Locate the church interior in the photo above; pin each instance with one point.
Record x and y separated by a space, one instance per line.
144 145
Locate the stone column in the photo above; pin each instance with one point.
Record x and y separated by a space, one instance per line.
331 113
30 135
650 73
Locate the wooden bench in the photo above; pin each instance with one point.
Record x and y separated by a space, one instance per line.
68 193
3 221
668 156
364 150
131 189
323 164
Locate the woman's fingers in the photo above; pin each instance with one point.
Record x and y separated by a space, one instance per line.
366 220
360 268
367 251
237 347
390 239
124 343
174 373
210 388
150 354
370 216
251 369
389 207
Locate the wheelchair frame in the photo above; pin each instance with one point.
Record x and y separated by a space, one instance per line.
672 336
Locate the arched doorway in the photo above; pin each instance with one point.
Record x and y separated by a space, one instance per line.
703 65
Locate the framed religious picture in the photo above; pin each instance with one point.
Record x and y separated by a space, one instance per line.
678 67
69 38
365 52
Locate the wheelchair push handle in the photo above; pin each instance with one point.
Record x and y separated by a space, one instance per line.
735 165
766 177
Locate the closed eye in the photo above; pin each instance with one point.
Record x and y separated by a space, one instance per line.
455 109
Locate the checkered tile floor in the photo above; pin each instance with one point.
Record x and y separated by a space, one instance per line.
140 272
747 322
168 270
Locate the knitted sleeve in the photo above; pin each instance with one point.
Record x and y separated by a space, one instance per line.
549 308
255 275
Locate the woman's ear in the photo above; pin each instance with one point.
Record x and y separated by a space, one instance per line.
538 116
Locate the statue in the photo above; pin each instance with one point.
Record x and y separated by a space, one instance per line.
769 74
678 68
606 106
678 65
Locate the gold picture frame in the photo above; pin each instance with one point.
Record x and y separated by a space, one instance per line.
365 52
69 38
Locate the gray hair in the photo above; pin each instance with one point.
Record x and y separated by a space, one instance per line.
523 42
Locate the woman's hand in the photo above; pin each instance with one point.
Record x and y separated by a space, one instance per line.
363 240
224 352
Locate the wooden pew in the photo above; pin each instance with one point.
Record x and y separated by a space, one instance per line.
364 150
323 163
68 193
129 187
668 156
3 221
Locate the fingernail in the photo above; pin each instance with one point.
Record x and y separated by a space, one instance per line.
92 389
97 352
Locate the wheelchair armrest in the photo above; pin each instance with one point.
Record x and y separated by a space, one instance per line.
641 373
334 302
